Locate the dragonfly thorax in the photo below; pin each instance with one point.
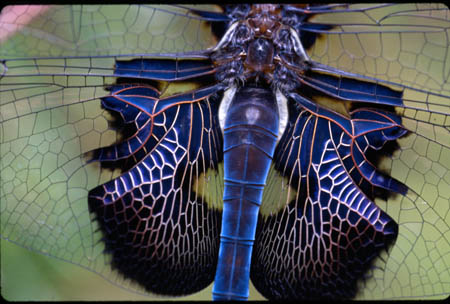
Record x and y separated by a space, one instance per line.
260 48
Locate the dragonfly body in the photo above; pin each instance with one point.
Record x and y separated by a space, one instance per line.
250 135
247 159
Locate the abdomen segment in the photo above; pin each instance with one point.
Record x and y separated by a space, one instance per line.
250 136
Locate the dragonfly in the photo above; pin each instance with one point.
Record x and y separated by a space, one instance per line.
116 150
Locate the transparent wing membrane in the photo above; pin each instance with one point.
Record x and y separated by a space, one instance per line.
102 30
61 67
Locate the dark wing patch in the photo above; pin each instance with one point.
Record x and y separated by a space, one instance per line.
326 236
157 226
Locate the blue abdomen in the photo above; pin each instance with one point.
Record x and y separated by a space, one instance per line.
250 136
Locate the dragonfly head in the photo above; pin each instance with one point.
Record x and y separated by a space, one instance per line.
264 19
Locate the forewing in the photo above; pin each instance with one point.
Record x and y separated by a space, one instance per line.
91 30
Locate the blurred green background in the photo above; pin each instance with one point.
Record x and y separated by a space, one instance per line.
30 276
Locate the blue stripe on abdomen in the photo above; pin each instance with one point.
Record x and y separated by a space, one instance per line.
250 135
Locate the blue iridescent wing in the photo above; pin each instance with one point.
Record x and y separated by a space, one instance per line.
328 230
157 226
156 223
